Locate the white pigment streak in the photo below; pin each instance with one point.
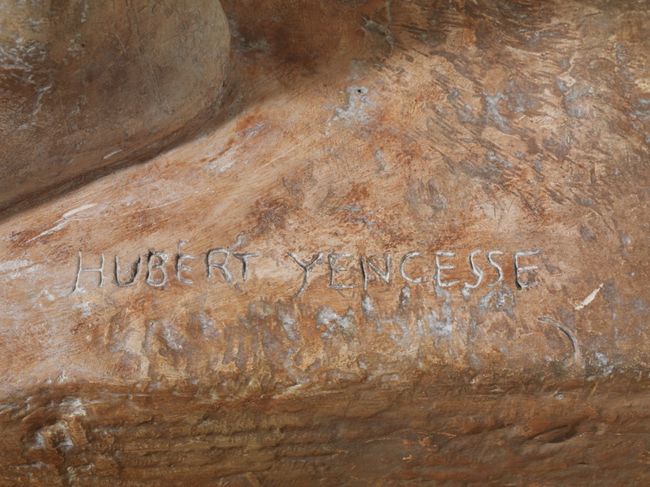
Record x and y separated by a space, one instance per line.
68 214
587 301
62 222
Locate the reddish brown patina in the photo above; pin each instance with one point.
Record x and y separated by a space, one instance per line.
409 247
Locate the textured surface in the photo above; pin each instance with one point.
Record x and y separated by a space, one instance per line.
369 129
87 84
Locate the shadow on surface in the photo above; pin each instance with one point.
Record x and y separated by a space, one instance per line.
276 46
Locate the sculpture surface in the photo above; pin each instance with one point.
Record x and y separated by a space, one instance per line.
85 85
410 247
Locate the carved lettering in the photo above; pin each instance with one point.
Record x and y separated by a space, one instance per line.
476 271
402 268
521 270
181 258
244 257
342 272
77 287
135 272
442 267
496 265
333 260
222 266
306 269
367 265
156 265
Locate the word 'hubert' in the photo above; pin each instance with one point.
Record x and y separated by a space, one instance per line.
220 261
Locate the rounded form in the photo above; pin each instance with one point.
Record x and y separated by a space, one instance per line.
84 84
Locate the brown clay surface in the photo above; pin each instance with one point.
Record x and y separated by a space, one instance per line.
370 128
90 84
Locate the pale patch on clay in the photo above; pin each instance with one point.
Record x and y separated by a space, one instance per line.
588 300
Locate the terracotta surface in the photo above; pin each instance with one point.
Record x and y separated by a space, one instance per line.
393 132
88 84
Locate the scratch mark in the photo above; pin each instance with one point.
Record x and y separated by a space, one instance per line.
577 355
587 301
111 154
68 214
62 222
